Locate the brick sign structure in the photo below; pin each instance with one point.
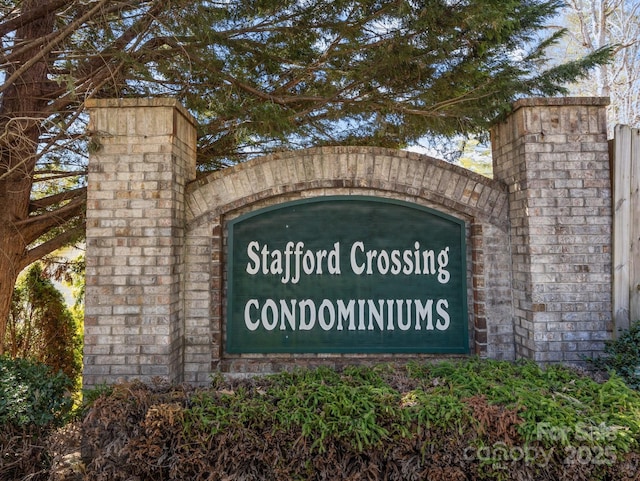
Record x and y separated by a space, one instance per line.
410 256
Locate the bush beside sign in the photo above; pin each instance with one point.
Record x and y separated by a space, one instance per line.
347 275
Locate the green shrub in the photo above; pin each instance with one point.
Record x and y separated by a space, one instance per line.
32 395
472 419
557 406
41 327
622 356
33 402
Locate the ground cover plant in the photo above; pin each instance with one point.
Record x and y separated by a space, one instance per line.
463 420
34 401
467 420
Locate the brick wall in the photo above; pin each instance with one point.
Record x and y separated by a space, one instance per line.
553 155
538 236
143 157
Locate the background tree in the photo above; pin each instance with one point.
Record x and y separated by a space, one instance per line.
41 328
593 24
259 75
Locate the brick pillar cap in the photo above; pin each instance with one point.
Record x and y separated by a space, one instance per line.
139 102
561 102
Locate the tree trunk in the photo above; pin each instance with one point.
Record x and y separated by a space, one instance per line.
21 108
9 270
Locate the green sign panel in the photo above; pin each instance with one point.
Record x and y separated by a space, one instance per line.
348 275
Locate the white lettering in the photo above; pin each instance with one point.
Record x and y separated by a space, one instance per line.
376 314
269 305
428 262
383 262
320 255
408 262
370 256
361 326
443 261
287 314
288 250
442 324
265 255
295 260
346 313
357 269
251 325
252 252
307 325
276 263
402 324
396 265
293 314
423 311
390 303
298 254
326 305
333 261
308 262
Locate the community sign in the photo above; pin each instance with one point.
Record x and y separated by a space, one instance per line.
346 274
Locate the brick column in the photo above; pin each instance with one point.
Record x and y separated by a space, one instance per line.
142 155
553 154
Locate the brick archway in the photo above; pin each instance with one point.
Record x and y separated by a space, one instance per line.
211 201
349 168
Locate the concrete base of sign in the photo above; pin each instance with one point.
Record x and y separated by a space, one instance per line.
538 237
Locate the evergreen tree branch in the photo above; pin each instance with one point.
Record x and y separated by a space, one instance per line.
33 227
51 245
56 37
45 202
31 15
